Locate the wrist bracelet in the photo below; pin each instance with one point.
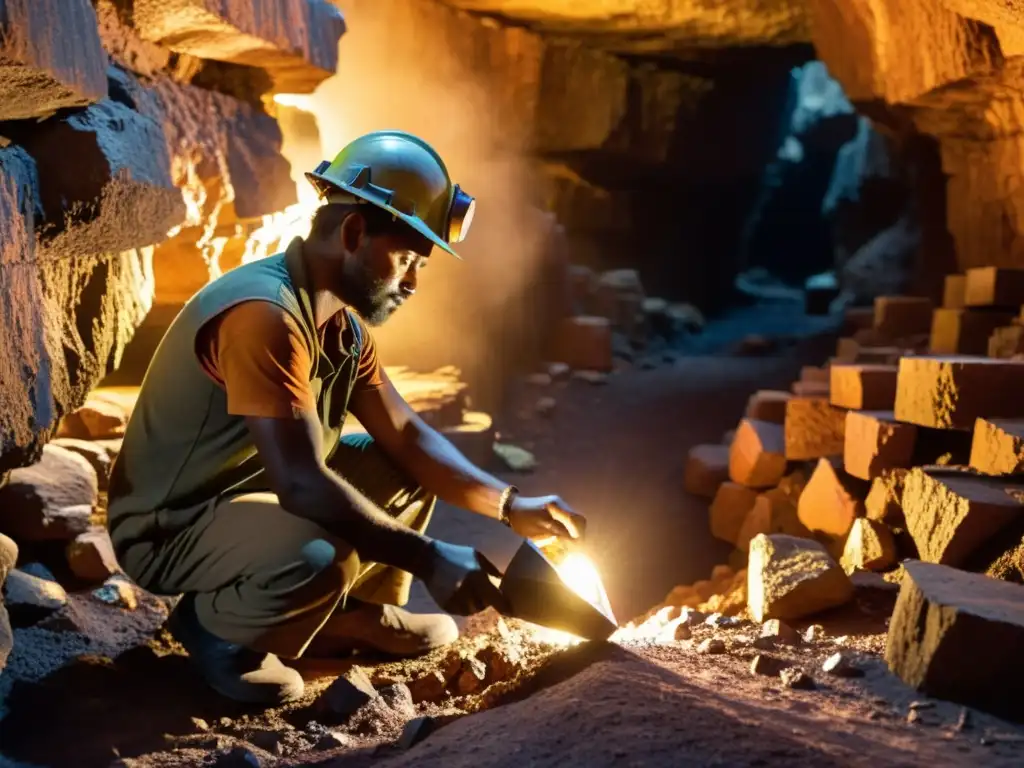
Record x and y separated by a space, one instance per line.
505 504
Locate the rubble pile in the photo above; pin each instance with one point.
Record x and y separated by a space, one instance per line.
898 462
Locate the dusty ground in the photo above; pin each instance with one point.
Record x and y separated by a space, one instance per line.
121 688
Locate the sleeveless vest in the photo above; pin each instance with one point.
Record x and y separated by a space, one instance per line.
181 447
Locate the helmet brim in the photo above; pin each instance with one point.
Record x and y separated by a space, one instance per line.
321 182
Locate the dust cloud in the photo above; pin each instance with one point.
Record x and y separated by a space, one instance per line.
396 71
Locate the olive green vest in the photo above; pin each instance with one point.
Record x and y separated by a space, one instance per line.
182 447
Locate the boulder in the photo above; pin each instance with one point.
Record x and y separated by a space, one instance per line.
945 617
756 457
950 515
50 500
870 546
30 599
51 57
790 577
117 195
832 500
952 391
296 41
8 557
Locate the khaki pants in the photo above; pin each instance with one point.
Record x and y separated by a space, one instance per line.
269 580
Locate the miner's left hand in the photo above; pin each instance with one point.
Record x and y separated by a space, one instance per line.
544 518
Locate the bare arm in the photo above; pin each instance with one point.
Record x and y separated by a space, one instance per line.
426 455
290 450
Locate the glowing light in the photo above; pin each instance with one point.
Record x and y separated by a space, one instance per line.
278 229
294 100
579 573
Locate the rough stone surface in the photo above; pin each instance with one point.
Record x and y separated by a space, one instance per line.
756 457
774 511
994 287
998 447
944 616
953 391
8 557
91 556
885 498
863 387
789 578
813 429
296 41
50 57
832 500
49 500
870 546
729 509
1006 342
951 516
94 453
875 442
29 598
707 467
99 418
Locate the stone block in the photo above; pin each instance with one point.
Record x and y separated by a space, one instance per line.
117 195
951 515
957 636
768 405
50 500
810 389
815 373
846 349
884 501
813 428
790 577
774 511
296 41
994 287
964 331
91 556
951 392
51 57
997 447
585 343
96 419
729 509
866 387
899 316
832 500
756 457
707 467
870 546
1006 342
875 442
953 291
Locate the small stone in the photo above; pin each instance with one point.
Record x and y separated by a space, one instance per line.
719 620
763 664
591 377
546 406
118 593
913 716
93 452
471 677
225 722
515 458
779 630
711 645
814 633
429 687
30 599
681 632
398 697
796 678
691 617
539 379
91 556
200 724
415 731
346 694
839 665
963 721
559 371
333 740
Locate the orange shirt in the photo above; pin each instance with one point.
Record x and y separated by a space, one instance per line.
258 354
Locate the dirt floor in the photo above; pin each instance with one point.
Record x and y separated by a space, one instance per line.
96 685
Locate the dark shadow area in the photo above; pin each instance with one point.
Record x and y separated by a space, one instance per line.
102 708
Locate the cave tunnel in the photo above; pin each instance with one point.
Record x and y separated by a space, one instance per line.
706 449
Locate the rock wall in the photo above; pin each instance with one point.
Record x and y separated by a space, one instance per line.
127 142
947 69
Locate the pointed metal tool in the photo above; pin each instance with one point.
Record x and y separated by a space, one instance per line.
536 593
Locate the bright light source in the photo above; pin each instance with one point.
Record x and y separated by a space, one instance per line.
581 576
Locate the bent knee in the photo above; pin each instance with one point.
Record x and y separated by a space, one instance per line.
324 557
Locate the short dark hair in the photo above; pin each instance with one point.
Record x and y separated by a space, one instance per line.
329 218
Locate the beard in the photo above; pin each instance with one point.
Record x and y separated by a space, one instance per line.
374 299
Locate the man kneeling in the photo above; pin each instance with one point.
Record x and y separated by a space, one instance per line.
234 487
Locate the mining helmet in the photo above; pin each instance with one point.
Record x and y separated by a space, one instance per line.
403 175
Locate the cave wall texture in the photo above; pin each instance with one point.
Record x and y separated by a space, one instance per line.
143 152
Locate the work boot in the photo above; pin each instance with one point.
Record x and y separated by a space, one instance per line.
230 669
384 629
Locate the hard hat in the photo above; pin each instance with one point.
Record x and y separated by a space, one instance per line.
402 174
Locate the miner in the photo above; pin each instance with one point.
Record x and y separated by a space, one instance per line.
234 487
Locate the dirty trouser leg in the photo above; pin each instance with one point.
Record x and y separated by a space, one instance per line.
362 463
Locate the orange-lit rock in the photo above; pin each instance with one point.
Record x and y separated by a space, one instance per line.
813 429
729 509
876 442
296 41
950 392
52 57
832 500
998 446
756 456
790 577
774 511
50 500
768 405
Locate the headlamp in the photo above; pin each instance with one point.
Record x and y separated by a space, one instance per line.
460 215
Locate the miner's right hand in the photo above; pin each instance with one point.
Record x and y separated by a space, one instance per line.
461 581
